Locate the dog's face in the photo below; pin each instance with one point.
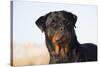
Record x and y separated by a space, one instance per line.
59 26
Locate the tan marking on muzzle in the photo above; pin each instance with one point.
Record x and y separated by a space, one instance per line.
58 48
56 37
63 51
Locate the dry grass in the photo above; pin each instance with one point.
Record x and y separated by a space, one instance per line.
30 54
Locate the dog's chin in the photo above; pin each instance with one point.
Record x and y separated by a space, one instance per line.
60 48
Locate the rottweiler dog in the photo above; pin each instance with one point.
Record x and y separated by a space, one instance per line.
61 40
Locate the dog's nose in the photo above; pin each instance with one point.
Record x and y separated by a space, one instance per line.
61 29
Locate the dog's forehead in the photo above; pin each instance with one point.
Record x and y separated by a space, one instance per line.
55 16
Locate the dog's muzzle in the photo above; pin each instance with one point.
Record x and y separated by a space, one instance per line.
59 38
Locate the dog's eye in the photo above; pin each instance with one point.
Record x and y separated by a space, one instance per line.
65 21
53 24
68 23
60 24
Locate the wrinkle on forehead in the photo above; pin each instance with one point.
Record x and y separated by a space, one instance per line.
56 16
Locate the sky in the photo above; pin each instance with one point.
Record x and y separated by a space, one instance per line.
25 13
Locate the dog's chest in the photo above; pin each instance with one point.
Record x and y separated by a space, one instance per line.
67 58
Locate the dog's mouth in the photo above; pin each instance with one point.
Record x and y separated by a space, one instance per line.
58 38
59 42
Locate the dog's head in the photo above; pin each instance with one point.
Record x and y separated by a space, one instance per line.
59 26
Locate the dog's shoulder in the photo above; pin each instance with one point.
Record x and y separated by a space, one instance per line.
88 52
89 46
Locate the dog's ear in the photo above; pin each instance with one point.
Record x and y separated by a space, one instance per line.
74 19
40 22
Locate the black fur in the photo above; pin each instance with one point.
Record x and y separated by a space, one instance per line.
64 22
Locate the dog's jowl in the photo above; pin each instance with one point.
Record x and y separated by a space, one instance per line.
61 39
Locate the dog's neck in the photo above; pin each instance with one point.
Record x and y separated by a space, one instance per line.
67 56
